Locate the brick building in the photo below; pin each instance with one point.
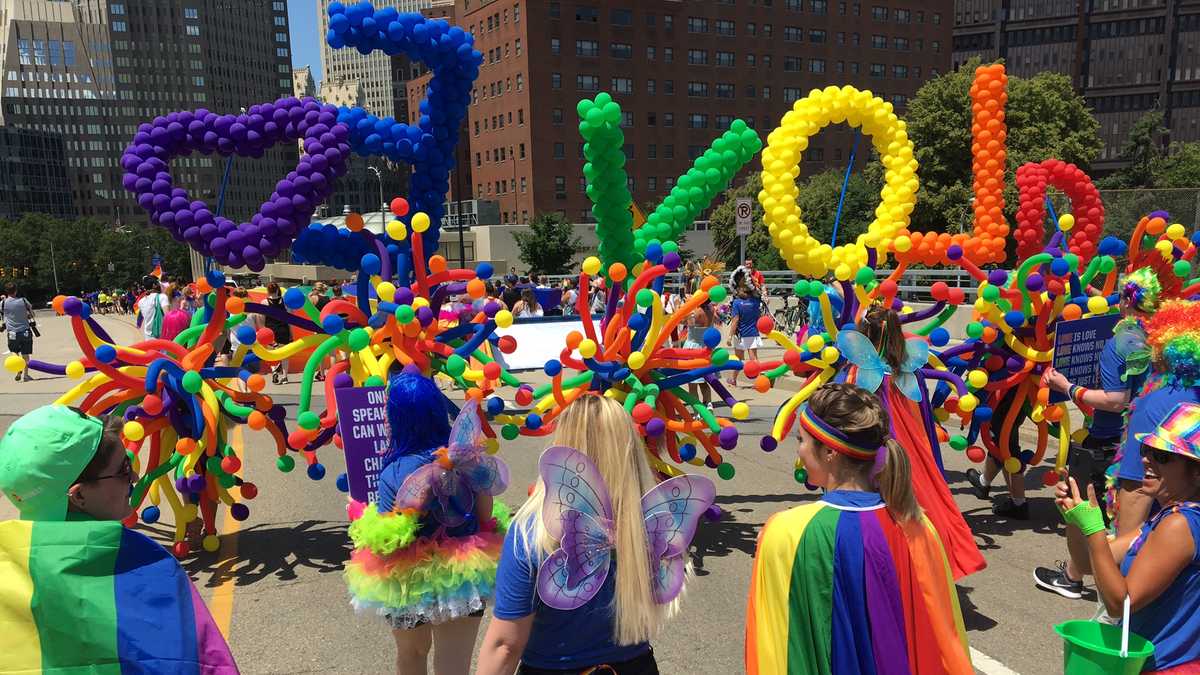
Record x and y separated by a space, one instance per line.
1126 57
90 71
682 72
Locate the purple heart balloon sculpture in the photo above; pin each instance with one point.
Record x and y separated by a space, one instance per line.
289 208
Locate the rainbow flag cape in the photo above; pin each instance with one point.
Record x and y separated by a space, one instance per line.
94 597
840 587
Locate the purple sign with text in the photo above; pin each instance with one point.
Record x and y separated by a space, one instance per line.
363 425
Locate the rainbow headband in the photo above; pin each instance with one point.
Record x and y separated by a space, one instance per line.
831 437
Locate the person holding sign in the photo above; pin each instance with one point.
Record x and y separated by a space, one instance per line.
425 553
1123 366
1155 568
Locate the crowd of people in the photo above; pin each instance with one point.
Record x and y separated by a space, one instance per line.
861 580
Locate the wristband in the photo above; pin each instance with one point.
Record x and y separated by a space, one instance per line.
1077 392
1086 516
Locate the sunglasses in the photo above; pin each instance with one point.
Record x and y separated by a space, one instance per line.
125 473
1158 456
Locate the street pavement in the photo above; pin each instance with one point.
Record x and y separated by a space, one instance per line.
276 588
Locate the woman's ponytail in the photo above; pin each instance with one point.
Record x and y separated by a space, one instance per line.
895 484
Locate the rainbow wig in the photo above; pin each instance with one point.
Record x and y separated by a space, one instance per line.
1173 333
1141 290
418 416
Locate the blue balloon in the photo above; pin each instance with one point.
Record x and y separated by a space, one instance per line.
1014 318
293 298
343 483
1060 267
333 324
939 337
552 367
106 353
370 264
246 335
495 405
712 337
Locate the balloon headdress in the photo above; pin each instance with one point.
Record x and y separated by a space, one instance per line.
1173 334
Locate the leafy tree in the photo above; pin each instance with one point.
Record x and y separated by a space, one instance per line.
818 202
550 244
1180 168
1046 119
1143 151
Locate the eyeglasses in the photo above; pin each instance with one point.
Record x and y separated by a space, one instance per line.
125 473
1158 456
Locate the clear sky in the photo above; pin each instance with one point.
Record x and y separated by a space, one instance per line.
306 42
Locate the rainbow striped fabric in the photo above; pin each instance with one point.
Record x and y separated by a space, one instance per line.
95 597
840 586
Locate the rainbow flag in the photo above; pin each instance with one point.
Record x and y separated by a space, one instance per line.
95 597
888 606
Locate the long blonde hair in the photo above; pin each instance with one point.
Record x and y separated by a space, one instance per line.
859 414
601 429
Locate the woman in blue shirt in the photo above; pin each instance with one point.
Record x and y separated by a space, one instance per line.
615 627
1159 567
430 580
743 332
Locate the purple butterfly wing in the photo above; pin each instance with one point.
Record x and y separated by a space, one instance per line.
576 572
453 498
485 474
416 491
573 483
464 444
672 512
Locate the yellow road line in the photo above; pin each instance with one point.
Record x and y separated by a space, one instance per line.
221 604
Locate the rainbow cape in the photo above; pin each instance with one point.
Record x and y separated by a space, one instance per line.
94 597
887 606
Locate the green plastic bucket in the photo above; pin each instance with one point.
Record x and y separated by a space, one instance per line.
1092 648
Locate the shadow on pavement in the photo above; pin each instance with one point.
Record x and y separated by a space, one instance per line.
277 551
719 539
973 620
794 498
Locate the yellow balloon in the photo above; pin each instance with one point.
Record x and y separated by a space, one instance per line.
504 318
740 411
1097 305
14 363
386 291
830 354
1012 465
75 370
133 431
1176 231
591 266
587 349
636 360
977 379
968 403
815 343
781 160
396 230
1065 222
420 221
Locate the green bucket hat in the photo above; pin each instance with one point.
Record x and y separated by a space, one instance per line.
42 454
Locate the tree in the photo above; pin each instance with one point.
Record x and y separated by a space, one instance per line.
550 244
1180 168
1142 150
1046 119
818 203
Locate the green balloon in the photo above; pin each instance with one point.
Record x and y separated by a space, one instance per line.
405 314
308 420
725 471
645 297
738 126
670 247
1183 269
717 294
801 288
991 293
958 442
285 463
583 107
1107 264
720 357
974 330
595 117
192 382
864 276
509 432
456 365
373 381
359 339
603 98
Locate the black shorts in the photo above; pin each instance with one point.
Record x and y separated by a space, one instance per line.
20 341
643 664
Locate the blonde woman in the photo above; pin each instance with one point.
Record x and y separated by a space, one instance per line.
612 631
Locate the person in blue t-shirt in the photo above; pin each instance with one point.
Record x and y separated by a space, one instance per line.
743 330
610 633
1156 568
1123 365
816 319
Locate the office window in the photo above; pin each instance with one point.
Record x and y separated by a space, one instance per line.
560 186
40 56
55 52
587 83
724 121
819 7
652 183
279 6
555 11
668 21
556 80
652 151
517 46
669 153
668 54
916 72
555 46
751 92
629 151
587 48
651 19
879 13
621 17
794 5
698 57
793 34
697 121
839 67
900 72
936 46
621 50
750 59
198 80
520 82
766 30
119 27
877 70
194 14
817 36
668 119
791 64
725 28
26 52
117 8
650 53
878 42
791 94
281 52
520 116
725 59
697 24
694 151
766 92
903 16
841 38
478 160
668 87
900 44
697 89
560 151
854 67
937 18
855 39
585 13
622 85
651 86
556 116
816 65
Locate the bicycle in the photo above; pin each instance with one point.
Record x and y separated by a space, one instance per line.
789 319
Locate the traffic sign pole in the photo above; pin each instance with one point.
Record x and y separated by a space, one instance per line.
743 221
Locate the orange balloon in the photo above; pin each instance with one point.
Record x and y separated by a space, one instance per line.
354 222
617 272
256 382
235 305
1071 312
437 264
256 421
476 288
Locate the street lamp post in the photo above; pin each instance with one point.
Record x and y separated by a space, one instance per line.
54 267
379 177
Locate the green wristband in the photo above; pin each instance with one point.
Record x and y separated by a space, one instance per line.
1088 518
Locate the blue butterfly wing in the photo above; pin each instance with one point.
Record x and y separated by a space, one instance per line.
572 482
857 349
909 385
916 355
